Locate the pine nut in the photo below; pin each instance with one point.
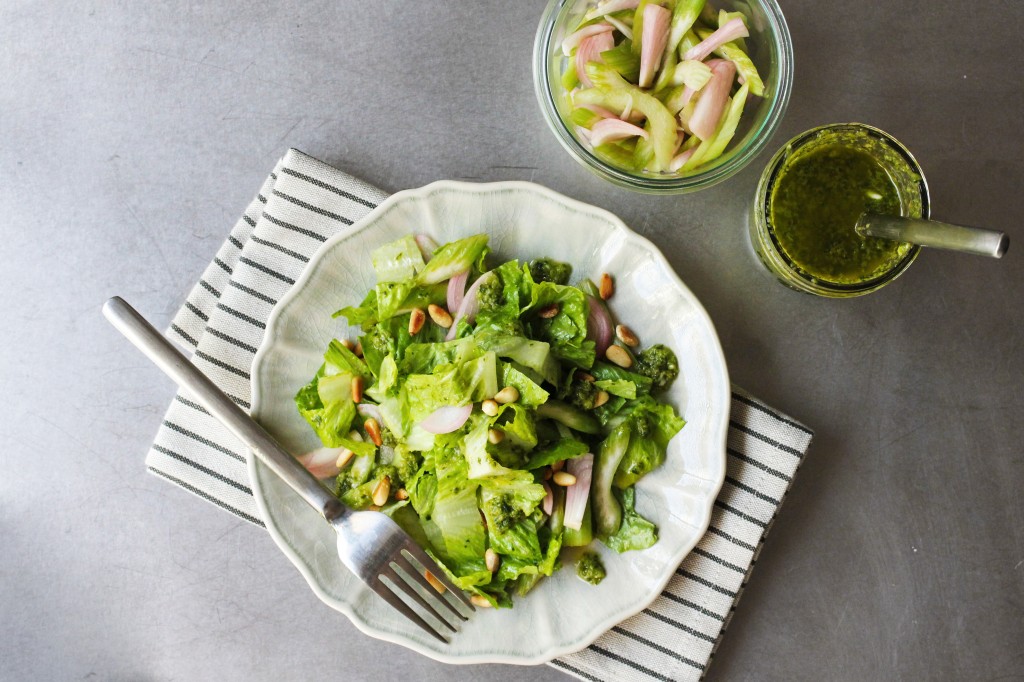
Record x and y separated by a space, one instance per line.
401 494
358 350
548 311
357 389
416 320
607 287
383 491
557 466
601 398
583 376
348 344
434 582
620 356
489 407
477 600
440 316
373 507
507 395
491 560
373 431
495 436
627 336
564 479
547 474
344 457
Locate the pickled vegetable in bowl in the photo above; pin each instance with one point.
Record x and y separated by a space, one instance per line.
663 96
659 88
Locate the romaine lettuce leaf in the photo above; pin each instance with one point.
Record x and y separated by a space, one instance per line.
652 426
567 330
456 514
365 314
636 532
534 355
530 394
395 298
620 387
519 542
398 260
519 425
326 404
452 258
340 360
450 384
567 448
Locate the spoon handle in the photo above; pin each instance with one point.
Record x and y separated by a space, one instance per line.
935 234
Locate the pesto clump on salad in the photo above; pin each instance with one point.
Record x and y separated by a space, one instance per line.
491 410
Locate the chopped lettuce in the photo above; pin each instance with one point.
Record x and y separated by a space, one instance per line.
481 486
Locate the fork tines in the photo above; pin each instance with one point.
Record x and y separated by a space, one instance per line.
405 575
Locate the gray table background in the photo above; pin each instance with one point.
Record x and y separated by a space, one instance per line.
132 135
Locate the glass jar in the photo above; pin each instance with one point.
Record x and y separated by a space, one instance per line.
904 173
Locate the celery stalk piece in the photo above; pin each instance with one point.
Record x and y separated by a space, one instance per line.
677 98
606 78
711 148
616 155
746 69
667 72
584 117
570 79
724 17
643 152
622 59
638 26
622 95
691 73
683 15
689 40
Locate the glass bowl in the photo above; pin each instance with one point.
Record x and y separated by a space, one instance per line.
770 48
899 164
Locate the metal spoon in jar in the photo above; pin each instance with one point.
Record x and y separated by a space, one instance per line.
935 234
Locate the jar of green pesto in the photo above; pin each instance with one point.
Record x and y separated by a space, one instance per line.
809 199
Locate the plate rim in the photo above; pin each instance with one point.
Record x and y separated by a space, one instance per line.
422 193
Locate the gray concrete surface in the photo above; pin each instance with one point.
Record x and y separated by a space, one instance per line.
133 134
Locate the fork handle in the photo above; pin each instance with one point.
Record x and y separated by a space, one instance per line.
174 364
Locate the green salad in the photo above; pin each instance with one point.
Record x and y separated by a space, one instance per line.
494 411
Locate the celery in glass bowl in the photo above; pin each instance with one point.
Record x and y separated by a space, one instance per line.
663 96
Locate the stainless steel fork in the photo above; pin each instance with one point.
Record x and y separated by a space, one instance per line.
370 544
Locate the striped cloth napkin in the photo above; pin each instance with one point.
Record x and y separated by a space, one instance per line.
303 203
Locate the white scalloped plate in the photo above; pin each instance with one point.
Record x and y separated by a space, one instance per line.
563 614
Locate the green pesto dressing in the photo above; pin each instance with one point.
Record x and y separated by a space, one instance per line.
590 568
814 205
